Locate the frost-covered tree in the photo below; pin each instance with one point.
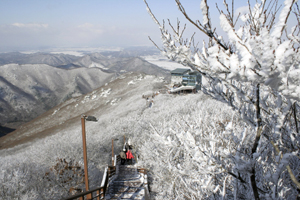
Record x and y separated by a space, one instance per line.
256 71
65 175
261 50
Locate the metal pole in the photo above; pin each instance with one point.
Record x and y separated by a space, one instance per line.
86 176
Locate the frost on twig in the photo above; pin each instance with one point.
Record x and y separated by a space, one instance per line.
255 54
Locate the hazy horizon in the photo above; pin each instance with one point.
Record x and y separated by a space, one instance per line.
36 25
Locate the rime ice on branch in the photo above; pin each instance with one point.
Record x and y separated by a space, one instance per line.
256 71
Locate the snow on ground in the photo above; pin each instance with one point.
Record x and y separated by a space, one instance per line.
81 51
29 52
157 134
163 62
97 65
158 60
75 51
72 53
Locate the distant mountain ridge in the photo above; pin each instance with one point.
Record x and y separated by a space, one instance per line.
36 58
121 65
27 91
133 52
63 60
33 83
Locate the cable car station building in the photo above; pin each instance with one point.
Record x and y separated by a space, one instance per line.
185 80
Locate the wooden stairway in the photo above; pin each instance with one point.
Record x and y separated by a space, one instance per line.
128 183
119 182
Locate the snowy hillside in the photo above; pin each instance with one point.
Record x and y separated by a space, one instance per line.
168 138
120 64
27 91
193 146
106 99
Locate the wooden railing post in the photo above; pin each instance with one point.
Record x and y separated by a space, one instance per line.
102 193
98 195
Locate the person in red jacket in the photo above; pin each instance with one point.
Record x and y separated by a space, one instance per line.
129 156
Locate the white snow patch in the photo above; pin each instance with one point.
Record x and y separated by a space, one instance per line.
115 101
163 62
131 82
94 96
55 111
97 65
72 53
105 93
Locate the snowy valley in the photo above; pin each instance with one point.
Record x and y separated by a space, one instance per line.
169 137
32 83
188 143
237 137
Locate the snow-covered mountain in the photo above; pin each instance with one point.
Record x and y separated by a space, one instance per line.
190 145
110 98
28 90
156 131
120 64
137 51
36 58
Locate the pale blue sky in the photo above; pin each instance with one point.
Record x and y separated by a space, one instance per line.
36 24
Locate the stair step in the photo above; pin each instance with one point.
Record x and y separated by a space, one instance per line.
127 184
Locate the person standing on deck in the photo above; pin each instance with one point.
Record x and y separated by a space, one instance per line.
129 144
126 146
123 157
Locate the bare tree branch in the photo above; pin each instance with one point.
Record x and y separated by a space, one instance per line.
200 27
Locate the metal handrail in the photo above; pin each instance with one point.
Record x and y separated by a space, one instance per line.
108 173
115 160
104 177
99 190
